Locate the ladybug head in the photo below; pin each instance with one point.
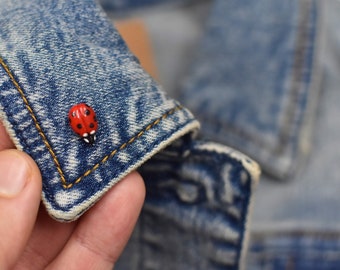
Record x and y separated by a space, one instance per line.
89 138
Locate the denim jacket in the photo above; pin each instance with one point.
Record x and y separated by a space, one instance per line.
54 55
255 83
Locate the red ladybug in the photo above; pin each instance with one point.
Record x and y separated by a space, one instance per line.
83 121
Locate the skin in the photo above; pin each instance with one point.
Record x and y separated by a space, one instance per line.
30 239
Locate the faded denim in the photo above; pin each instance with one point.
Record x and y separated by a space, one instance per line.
300 229
295 222
58 54
197 210
199 193
251 84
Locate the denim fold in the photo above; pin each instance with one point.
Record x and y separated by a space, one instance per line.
54 55
58 54
255 81
197 213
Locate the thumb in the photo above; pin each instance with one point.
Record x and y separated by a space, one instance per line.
20 191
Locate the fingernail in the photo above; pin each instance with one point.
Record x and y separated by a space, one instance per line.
13 175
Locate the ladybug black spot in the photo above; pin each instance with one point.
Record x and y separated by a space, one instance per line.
91 125
79 126
87 112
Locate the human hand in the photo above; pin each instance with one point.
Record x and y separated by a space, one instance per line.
30 239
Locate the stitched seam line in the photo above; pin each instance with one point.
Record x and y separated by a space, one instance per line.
125 145
65 184
36 123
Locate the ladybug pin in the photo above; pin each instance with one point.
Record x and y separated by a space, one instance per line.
83 121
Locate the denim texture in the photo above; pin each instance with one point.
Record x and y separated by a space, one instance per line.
57 54
296 225
197 209
295 250
199 193
251 85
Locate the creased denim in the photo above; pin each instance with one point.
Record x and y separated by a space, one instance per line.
253 85
57 54
197 209
199 193
296 225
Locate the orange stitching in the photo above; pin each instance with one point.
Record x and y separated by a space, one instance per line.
47 144
124 145
37 126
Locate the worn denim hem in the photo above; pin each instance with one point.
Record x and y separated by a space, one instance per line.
78 210
165 121
197 209
57 55
254 171
176 121
248 224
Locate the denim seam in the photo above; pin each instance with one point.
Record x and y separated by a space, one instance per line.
253 171
124 145
293 116
304 44
36 123
65 183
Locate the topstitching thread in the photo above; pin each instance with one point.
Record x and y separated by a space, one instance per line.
66 184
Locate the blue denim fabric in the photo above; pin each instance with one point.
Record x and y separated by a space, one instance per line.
197 209
252 85
295 250
57 54
296 225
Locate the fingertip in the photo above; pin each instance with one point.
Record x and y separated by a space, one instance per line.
135 185
34 171
104 230
19 175
20 192
5 140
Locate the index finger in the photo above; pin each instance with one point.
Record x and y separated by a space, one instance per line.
5 140
104 230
